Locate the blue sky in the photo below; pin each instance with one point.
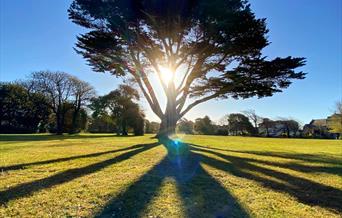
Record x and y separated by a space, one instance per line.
37 35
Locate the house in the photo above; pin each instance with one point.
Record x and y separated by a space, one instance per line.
318 128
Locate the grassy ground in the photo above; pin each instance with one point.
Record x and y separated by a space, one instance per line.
109 176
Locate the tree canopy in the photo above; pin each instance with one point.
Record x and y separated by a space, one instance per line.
21 111
120 106
210 49
239 124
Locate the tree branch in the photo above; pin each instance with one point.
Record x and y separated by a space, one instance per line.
190 106
149 94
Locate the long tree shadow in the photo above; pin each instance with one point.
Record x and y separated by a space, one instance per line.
295 156
304 190
30 137
337 170
29 188
24 165
201 194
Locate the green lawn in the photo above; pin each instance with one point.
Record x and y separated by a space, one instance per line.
109 176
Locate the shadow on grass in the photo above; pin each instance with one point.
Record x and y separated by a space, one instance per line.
29 188
30 137
201 194
24 165
337 170
295 156
304 190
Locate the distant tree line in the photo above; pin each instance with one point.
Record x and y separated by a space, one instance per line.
248 123
47 101
58 102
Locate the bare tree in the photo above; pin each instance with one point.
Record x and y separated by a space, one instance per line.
82 92
57 87
253 117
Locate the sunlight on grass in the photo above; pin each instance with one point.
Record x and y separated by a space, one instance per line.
88 175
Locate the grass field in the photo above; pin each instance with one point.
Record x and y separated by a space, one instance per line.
109 176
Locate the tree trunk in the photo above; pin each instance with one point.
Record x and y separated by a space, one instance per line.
74 118
59 123
73 124
167 126
169 121
124 128
256 128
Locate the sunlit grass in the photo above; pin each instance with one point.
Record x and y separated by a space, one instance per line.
88 175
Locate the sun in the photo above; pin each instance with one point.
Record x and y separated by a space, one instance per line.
166 74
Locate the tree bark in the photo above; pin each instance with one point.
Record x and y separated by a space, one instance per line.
167 126
59 123
124 128
74 119
73 124
170 118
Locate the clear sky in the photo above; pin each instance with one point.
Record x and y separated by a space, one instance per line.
37 35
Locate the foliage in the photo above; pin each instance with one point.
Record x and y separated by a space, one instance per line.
57 88
151 127
120 106
102 124
267 124
204 126
21 111
254 118
239 124
82 92
290 126
335 121
212 49
64 93
185 126
71 123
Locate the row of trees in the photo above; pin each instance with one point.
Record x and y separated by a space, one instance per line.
64 94
250 124
44 101
58 102
246 123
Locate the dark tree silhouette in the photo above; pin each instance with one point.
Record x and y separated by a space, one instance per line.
57 88
151 127
120 106
290 126
239 124
82 93
186 126
204 126
254 118
21 111
267 124
211 49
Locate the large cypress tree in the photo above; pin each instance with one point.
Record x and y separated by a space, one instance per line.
206 48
